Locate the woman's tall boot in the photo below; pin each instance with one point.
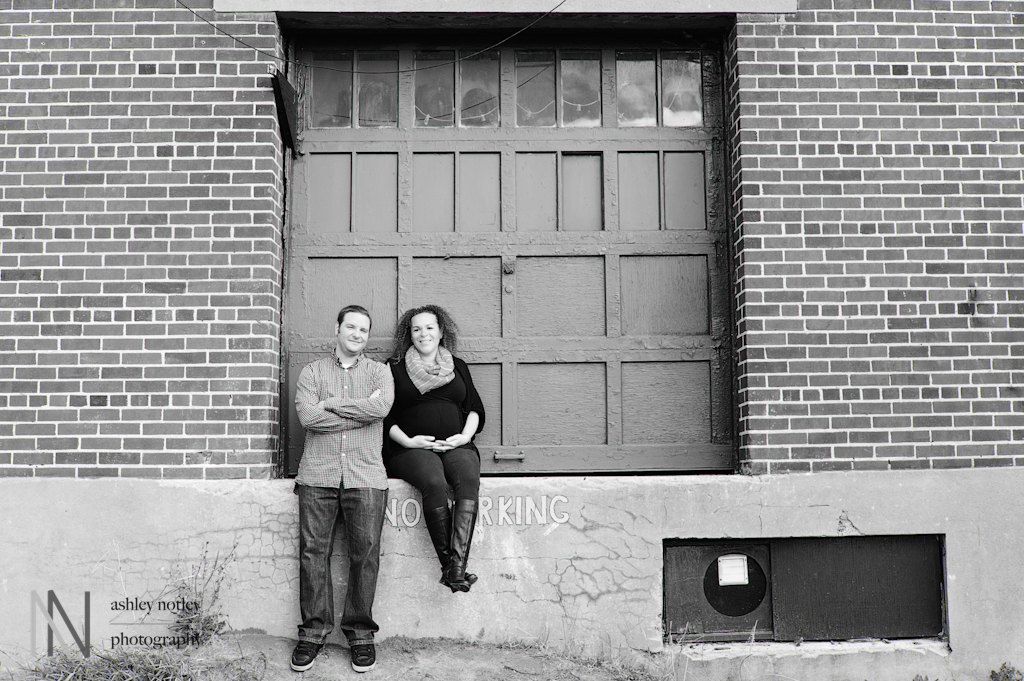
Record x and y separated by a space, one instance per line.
439 526
463 523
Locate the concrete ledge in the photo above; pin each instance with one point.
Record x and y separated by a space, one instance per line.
562 561
815 660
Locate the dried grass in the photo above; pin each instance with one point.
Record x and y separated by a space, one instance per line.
200 588
207 663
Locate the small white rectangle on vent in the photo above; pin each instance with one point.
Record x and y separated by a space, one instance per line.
732 570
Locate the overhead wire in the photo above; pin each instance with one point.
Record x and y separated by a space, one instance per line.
457 60
461 58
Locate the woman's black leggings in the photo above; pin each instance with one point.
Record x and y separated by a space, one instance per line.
432 472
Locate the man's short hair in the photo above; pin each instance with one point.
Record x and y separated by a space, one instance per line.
359 309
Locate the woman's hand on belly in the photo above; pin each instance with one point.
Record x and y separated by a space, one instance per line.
428 442
456 440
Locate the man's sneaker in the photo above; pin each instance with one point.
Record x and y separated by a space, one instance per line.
304 655
364 657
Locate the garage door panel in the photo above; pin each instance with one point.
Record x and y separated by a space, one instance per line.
329 208
639 195
479 192
296 434
665 402
664 295
469 288
582 203
531 459
536 193
331 283
376 191
433 192
562 404
487 379
684 191
560 296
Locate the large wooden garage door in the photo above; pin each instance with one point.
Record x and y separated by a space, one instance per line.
564 203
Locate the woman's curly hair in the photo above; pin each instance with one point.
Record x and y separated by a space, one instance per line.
403 330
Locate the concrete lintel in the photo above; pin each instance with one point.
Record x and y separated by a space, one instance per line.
503 6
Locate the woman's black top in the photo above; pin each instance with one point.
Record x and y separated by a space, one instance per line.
440 412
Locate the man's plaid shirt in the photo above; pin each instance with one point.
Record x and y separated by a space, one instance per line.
344 437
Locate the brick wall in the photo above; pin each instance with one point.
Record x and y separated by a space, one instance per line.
140 246
877 197
880 258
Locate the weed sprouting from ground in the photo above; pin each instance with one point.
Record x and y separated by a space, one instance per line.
198 589
621 668
149 664
629 667
621 665
1007 672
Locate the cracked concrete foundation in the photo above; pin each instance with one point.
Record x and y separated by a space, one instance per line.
574 562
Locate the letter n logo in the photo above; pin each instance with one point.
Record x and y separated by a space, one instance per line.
51 626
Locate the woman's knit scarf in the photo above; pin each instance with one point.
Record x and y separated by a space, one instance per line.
425 376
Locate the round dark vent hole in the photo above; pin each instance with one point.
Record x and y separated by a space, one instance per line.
735 600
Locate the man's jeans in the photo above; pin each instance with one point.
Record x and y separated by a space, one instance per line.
362 516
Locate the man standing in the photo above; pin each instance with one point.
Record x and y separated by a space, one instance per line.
341 401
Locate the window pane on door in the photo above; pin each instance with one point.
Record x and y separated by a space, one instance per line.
680 87
435 89
378 89
479 101
581 89
332 90
635 73
535 88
